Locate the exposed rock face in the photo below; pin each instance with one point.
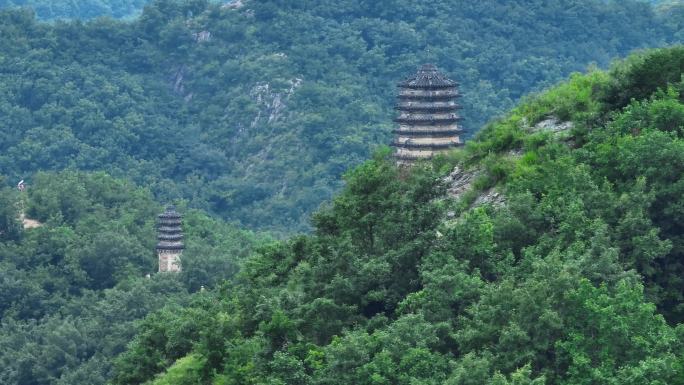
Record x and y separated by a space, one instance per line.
552 124
235 4
460 181
29 223
178 79
271 103
515 153
202 36
490 197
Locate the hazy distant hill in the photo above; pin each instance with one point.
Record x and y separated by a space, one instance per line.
81 9
253 110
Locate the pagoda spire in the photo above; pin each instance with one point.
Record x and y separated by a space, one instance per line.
428 115
170 240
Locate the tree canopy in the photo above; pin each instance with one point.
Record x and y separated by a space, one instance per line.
82 9
560 261
573 277
253 110
73 289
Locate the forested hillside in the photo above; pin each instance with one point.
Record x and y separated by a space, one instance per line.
81 9
73 286
252 110
558 262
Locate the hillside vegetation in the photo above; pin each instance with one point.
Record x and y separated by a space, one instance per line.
253 110
81 9
73 288
573 278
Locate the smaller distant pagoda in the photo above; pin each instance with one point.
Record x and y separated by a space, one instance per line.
428 116
170 240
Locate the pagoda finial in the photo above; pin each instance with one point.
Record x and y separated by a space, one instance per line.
430 54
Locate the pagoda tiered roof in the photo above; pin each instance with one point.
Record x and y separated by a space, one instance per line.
443 94
412 156
428 77
428 146
428 119
426 107
428 115
170 235
433 133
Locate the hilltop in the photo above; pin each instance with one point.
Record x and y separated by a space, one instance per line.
547 251
253 110
572 275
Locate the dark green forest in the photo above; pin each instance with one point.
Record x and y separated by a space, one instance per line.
572 276
560 263
80 9
71 289
547 251
252 110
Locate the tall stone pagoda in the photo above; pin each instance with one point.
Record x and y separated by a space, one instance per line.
170 240
428 116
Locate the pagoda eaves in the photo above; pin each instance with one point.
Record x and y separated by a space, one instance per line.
428 115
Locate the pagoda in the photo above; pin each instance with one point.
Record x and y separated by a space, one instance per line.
428 116
170 240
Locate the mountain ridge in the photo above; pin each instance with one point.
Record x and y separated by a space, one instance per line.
572 279
196 100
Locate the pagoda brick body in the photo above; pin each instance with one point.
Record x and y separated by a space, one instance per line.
170 240
428 116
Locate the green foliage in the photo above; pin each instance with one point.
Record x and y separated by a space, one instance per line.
186 371
254 112
88 9
641 75
611 349
166 337
10 228
574 279
574 100
72 291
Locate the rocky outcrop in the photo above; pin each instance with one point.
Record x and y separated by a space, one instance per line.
459 181
490 197
178 80
271 104
202 36
552 124
235 4
29 223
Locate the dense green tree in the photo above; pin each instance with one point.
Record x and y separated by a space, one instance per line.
10 228
254 110
73 289
571 278
51 9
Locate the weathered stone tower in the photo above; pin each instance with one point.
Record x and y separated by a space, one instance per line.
170 240
428 115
